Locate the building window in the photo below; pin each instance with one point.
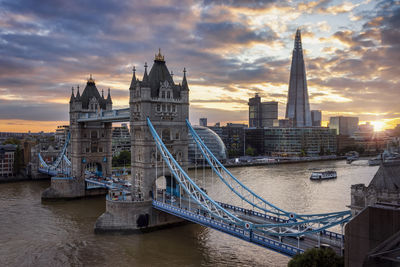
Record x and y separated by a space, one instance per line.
163 94
100 149
173 108
158 107
177 136
166 135
168 94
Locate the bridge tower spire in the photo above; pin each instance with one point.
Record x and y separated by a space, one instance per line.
90 144
166 104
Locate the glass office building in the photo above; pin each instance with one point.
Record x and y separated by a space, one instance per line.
311 141
212 141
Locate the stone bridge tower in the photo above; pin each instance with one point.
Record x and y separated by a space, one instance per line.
167 105
90 143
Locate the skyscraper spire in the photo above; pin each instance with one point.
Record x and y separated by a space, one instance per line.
298 106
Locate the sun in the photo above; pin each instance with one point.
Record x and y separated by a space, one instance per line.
378 125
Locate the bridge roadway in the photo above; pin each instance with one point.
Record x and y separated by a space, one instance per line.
288 246
55 172
191 211
306 241
96 182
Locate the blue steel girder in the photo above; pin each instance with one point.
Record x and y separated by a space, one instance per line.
247 194
326 233
190 187
62 153
295 226
53 168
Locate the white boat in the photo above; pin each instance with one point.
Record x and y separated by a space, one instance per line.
323 175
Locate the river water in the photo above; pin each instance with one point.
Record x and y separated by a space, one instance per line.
33 233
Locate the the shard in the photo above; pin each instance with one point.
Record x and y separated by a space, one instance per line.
298 106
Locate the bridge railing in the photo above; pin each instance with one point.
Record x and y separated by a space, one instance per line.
241 232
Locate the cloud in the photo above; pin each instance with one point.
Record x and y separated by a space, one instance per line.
26 110
239 47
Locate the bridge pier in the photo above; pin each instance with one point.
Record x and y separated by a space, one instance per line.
69 188
133 217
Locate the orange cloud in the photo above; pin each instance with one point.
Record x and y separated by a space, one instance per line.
20 126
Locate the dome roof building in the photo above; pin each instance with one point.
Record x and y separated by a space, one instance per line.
211 140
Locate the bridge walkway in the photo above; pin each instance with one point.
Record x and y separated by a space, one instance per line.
288 245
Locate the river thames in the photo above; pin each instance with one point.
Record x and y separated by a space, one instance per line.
61 233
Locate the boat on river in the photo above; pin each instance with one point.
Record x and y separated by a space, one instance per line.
385 157
352 156
323 175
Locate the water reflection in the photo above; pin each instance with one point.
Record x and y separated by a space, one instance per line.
33 233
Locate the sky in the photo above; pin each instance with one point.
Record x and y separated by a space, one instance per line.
231 50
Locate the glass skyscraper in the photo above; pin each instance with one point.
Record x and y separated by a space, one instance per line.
298 106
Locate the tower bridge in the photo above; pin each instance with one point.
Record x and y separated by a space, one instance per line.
158 114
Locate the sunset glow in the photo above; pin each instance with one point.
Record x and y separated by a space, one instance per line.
231 50
378 125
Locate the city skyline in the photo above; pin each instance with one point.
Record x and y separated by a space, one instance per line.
231 51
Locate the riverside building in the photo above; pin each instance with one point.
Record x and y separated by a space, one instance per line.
212 141
344 125
262 114
121 139
299 141
7 160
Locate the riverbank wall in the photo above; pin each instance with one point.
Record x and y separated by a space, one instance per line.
276 162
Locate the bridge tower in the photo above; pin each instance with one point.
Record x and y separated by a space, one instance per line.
166 104
90 143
